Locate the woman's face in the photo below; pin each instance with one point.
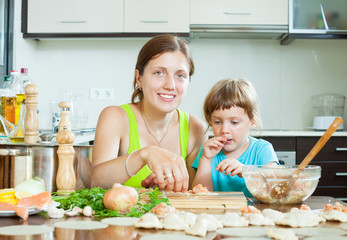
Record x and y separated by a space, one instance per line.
234 124
165 80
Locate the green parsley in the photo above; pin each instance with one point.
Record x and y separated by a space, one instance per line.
93 197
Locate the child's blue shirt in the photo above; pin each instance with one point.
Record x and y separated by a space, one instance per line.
259 152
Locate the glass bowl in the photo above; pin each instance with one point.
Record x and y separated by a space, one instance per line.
276 184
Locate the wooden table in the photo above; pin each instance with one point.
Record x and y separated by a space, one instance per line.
129 232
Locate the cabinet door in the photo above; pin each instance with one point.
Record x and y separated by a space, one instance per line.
272 12
75 16
156 16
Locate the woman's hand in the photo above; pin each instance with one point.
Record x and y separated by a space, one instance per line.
230 166
168 169
213 146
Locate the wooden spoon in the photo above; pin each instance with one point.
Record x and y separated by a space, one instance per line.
282 189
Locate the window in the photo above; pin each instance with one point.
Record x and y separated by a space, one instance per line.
6 37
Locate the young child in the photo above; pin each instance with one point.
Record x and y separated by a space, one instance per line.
231 109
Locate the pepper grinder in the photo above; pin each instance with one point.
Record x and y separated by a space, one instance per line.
66 179
31 121
64 116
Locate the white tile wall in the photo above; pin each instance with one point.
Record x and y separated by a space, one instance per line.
285 77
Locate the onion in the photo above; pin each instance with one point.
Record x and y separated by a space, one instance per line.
120 198
34 186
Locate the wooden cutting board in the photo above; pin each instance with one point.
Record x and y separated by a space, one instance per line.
215 200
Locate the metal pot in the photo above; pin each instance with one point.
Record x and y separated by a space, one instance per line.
19 162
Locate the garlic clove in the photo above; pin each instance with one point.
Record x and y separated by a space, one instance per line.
88 211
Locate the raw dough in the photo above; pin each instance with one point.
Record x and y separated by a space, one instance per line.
173 236
244 232
120 221
80 225
23 230
319 231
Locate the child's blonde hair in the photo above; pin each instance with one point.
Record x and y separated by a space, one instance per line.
228 93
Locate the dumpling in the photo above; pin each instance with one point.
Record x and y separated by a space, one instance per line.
282 234
301 218
200 228
217 224
258 219
149 220
273 215
173 222
188 217
334 215
231 219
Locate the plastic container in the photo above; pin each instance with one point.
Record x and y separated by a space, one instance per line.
326 108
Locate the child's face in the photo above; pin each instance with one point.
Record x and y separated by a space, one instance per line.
234 124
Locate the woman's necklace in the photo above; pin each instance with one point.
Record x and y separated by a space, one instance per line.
158 142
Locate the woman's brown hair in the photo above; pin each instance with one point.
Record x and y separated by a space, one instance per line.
153 48
230 93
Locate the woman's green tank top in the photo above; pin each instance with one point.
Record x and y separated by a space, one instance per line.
134 142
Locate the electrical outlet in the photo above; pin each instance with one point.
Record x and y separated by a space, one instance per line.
101 94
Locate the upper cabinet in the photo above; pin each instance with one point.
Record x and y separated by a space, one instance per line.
265 12
103 18
265 19
74 16
156 16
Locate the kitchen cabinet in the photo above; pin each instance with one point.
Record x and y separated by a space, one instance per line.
156 16
104 18
265 12
333 160
74 16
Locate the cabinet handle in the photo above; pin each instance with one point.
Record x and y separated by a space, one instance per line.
341 149
155 21
341 174
237 13
73 21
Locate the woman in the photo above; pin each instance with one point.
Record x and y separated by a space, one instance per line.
150 141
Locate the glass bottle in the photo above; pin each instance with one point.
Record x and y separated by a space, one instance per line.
23 80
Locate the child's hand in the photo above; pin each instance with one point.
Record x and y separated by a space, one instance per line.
230 166
213 146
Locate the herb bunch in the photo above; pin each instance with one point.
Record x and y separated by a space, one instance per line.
93 197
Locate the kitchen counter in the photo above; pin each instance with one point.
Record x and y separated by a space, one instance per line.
294 133
129 232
